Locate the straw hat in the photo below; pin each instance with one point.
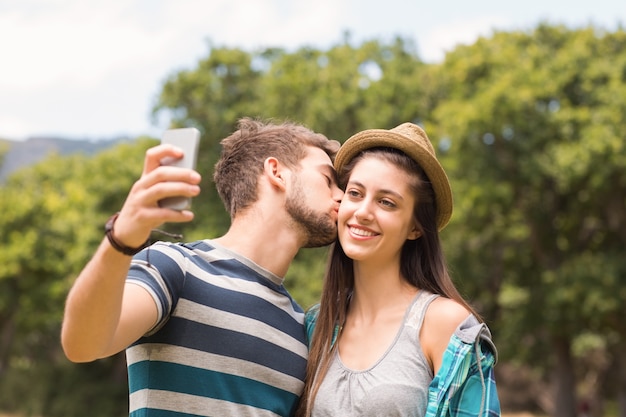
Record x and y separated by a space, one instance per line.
412 140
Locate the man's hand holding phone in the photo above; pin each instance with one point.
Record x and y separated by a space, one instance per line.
161 186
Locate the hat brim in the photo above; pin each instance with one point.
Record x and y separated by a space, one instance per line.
375 138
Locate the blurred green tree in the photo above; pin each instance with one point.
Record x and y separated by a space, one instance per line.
51 223
535 123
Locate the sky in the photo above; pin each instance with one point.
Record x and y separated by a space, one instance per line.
86 69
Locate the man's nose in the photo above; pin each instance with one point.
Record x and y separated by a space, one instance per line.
337 193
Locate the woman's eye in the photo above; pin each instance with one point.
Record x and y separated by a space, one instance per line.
387 203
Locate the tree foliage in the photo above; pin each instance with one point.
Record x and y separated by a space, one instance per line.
51 223
535 123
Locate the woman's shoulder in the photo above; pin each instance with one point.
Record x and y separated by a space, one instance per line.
446 313
442 318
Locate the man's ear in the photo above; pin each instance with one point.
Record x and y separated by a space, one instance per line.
275 172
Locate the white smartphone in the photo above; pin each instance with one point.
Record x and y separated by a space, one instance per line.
188 139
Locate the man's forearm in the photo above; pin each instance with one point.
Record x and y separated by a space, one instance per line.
94 304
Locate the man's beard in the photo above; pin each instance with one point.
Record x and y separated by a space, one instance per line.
320 229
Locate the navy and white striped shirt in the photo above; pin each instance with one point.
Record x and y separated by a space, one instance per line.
229 340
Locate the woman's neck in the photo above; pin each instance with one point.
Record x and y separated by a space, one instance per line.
378 288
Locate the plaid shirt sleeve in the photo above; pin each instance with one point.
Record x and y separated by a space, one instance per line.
465 384
310 317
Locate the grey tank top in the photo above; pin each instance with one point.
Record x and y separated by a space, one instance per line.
395 386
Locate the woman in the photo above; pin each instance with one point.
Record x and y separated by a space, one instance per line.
392 336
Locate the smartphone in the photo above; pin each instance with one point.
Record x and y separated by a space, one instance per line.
188 139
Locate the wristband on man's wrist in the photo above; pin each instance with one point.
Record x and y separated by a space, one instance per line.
126 250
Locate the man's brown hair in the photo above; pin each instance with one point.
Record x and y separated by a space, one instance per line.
245 150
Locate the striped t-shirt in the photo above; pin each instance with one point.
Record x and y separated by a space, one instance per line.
229 340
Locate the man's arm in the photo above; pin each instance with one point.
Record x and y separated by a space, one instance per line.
103 314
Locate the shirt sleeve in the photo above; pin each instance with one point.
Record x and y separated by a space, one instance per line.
159 269
465 384
477 395
310 318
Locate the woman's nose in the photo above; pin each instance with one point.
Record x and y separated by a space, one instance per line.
363 212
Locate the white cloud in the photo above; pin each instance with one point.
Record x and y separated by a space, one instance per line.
254 24
92 68
444 38
80 44
12 128
78 67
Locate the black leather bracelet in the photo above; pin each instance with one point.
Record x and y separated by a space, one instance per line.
126 250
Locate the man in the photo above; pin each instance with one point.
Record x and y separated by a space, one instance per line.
208 327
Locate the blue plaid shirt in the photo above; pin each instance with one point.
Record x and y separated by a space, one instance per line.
465 384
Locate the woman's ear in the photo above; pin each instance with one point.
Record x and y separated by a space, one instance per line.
414 233
275 172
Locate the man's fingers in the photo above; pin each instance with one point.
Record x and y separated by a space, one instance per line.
156 154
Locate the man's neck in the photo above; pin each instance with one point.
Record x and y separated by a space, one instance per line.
266 242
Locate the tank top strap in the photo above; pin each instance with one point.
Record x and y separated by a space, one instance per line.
417 312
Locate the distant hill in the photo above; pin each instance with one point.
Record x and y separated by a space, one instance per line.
24 153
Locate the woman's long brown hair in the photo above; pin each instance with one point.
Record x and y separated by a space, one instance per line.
422 264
